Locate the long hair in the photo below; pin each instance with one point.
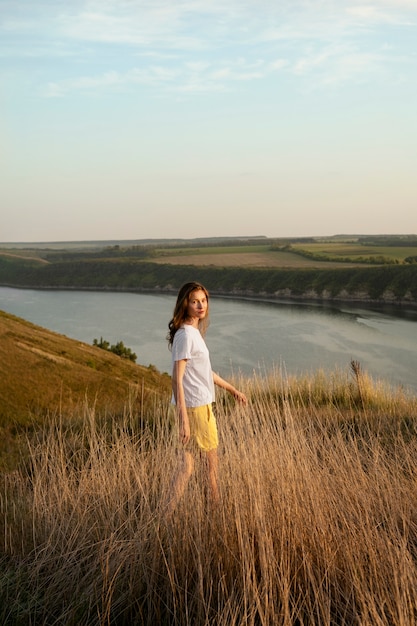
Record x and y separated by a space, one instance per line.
181 307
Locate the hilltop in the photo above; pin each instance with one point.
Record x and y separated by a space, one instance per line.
43 373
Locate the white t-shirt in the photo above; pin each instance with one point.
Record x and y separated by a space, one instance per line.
198 376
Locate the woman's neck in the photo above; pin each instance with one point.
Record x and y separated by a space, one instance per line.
192 321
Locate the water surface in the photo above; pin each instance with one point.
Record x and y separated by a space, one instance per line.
244 336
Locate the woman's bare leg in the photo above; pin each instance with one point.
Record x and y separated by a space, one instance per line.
179 483
213 475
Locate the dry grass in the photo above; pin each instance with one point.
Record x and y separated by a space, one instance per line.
42 372
317 523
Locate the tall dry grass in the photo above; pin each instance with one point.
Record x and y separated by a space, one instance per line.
317 522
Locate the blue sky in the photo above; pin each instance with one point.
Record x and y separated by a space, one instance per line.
127 119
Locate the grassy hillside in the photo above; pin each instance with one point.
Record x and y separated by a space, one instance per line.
43 373
317 522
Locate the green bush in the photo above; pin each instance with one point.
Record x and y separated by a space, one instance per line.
119 348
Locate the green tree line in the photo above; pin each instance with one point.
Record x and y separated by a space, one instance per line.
378 259
130 275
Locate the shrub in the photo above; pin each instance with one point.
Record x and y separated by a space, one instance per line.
119 348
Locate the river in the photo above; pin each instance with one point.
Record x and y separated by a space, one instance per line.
244 336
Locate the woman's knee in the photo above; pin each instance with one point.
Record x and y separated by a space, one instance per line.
188 463
212 461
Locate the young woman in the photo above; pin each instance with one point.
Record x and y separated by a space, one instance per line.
193 387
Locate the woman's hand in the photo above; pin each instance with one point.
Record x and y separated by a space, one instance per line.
240 397
184 431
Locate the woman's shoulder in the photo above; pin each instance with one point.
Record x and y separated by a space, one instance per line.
183 331
188 329
187 332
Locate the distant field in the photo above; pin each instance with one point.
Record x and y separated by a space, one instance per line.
242 256
296 254
356 250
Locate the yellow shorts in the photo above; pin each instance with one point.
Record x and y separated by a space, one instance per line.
203 427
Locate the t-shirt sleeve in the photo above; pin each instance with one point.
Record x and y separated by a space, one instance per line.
182 346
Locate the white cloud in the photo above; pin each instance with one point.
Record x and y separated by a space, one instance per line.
354 67
188 77
278 64
363 11
372 16
155 75
134 24
197 66
305 64
199 43
340 64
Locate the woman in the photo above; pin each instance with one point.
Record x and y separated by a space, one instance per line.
193 386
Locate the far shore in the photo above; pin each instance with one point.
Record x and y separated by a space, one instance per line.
390 303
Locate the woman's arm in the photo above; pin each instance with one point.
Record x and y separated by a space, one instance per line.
220 382
178 390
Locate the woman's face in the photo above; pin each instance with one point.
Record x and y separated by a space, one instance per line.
197 305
